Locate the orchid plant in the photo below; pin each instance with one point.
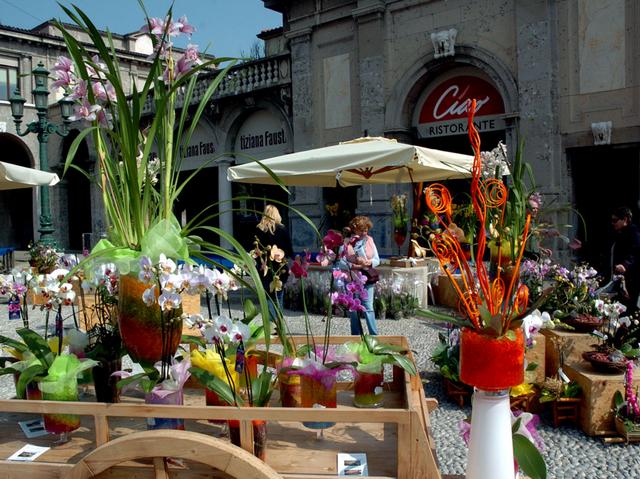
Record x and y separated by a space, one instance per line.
627 408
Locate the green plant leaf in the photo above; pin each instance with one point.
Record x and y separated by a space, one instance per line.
531 367
217 385
261 389
37 345
529 458
250 311
28 375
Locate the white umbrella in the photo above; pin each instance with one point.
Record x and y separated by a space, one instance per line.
13 177
361 161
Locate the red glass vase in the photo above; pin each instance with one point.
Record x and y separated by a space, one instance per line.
259 436
143 328
368 389
399 236
491 363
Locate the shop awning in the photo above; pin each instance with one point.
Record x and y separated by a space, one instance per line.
13 177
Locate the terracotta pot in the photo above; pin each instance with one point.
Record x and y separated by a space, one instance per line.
145 329
317 395
259 437
105 384
490 363
368 389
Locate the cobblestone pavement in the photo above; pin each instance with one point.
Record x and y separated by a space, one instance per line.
568 452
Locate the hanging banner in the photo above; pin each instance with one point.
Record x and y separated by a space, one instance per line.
444 111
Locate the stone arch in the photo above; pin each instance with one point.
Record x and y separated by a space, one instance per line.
400 105
75 194
17 211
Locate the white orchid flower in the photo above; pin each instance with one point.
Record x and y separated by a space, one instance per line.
531 324
167 265
146 264
240 332
149 296
169 301
171 282
223 325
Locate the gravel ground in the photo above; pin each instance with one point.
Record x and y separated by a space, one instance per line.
568 452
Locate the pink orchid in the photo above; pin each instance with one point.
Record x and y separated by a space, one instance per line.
155 26
64 64
298 269
64 79
79 91
85 111
185 26
332 240
103 91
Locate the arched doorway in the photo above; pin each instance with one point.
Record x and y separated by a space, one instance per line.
78 189
16 206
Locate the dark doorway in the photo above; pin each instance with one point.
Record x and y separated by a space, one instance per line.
78 194
249 202
197 196
603 178
16 206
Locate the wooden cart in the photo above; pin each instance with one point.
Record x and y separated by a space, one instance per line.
112 440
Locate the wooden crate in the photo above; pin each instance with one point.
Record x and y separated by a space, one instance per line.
576 344
596 406
443 291
395 438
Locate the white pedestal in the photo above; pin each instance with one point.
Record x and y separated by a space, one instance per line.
491 445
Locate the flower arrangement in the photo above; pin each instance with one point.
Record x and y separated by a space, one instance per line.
490 306
43 257
399 211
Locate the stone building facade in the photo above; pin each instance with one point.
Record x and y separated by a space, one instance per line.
553 73
75 204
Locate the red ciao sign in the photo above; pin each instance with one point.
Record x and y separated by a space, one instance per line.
449 100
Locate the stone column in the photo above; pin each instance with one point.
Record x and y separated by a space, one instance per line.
225 219
537 62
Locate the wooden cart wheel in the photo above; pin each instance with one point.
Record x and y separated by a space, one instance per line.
160 444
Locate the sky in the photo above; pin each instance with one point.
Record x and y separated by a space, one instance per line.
223 27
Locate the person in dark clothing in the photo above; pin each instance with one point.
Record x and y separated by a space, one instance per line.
625 255
274 243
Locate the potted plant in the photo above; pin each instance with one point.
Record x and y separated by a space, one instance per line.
43 258
104 343
627 410
493 305
370 356
139 159
400 219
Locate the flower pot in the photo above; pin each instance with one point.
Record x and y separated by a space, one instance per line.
105 383
318 394
290 389
145 329
60 423
629 435
259 437
491 363
400 235
368 389
601 363
174 398
212 399
583 323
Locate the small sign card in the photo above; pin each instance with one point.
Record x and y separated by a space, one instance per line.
33 428
353 464
28 453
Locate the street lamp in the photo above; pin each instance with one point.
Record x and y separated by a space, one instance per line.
43 128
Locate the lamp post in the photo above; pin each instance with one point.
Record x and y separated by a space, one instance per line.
43 129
